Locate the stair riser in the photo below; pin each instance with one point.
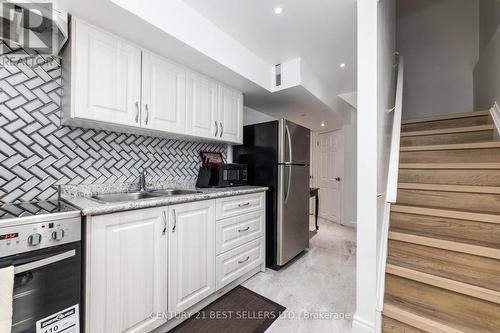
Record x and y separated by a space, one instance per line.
442 139
450 177
466 268
484 203
390 325
449 123
446 228
451 156
444 305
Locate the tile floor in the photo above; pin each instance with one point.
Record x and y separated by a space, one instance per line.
321 282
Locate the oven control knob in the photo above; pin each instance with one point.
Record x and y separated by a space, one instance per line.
34 239
58 234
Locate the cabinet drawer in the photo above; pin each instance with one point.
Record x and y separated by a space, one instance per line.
235 263
238 230
241 204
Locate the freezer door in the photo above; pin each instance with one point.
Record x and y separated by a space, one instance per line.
293 211
294 143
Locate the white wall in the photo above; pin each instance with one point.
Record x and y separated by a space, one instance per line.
349 183
487 71
372 16
251 116
440 42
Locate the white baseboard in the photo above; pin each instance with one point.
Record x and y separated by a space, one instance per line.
360 325
351 224
495 114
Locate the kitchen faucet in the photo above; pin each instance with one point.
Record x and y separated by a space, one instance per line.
142 181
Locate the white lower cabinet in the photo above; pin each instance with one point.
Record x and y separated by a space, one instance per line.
236 231
191 264
144 265
126 271
239 261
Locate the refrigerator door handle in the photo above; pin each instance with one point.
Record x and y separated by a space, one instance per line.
289 180
289 139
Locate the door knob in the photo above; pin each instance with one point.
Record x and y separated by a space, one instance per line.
338 179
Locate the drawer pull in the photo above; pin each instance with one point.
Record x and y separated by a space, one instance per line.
242 230
242 261
244 204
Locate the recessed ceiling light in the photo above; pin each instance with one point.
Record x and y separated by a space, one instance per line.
342 65
278 10
322 124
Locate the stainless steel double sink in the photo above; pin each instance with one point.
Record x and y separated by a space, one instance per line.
132 196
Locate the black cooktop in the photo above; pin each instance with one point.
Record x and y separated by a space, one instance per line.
25 209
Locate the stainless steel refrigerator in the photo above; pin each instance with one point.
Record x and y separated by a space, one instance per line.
277 155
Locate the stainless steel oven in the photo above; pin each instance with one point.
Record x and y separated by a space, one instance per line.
45 250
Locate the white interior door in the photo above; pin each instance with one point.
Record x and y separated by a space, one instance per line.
330 173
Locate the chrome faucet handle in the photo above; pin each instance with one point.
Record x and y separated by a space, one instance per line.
142 180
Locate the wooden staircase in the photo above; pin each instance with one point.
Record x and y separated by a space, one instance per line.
443 264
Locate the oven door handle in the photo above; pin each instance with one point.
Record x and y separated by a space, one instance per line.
44 262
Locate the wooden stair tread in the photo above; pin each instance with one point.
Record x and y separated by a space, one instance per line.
465 129
464 166
417 320
463 267
459 146
444 283
462 247
451 213
390 325
456 310
446 238
447 117
450 188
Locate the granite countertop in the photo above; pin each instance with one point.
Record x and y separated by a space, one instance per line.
80 197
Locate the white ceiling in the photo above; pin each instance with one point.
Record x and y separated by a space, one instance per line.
321 32
238 42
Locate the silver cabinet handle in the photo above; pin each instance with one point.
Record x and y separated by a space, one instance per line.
242 261
244 204
164 213
44 262
175 220
221 129
216 128
137 113
242 230
287 133
147 113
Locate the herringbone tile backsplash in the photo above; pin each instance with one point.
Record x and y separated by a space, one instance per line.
37 153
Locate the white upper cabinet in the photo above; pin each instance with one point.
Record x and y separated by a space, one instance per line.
163 94
191 261
201 116
115 85
230 115
106 77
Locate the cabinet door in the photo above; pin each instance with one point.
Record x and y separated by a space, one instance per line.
191 266
163 94
107 77
201 101
230 115
126 271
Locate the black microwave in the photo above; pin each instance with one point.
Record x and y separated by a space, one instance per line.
222 175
